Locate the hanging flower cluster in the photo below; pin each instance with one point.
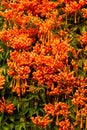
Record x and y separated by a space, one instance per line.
41 121
56 110
6 107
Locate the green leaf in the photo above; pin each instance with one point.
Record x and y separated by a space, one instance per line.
83 29
31 111
18 106
11 126
72 116
11 119
5 128
80 63
55 128
1 117
4 70
1 21
20 126
81 72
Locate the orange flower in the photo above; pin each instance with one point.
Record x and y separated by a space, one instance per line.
10 108
65 125
85 66
6 107
79 99
57 109
2 105
42 122
50 109
84 11
17 87
2 81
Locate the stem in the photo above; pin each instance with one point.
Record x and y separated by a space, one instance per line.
75 21
57 120
66 19
81 122
49 36
76 108
52 87
86 122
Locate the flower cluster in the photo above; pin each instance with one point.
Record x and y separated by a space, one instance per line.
19 63
41 121
83 38
6 107
73 6
56 110
19 68
18 39
84 12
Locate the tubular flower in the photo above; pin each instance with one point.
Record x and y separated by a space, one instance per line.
83 38
73 6
41 121
84 12
2 81
10 108
18 39
19 86
57 109
50 109
51 56
85 66
15 11
6 107
2 105
84 110
19 64
65 125
79 99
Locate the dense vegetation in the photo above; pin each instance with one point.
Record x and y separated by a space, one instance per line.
43 65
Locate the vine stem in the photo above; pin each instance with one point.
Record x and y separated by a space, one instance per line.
75 21
81 123
66 18
86 122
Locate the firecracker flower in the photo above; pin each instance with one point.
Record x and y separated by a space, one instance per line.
18 39
10 108
6 107
79 99
85 66
84 12
83 38
41 121
55 110
2 105
2 81
65 125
